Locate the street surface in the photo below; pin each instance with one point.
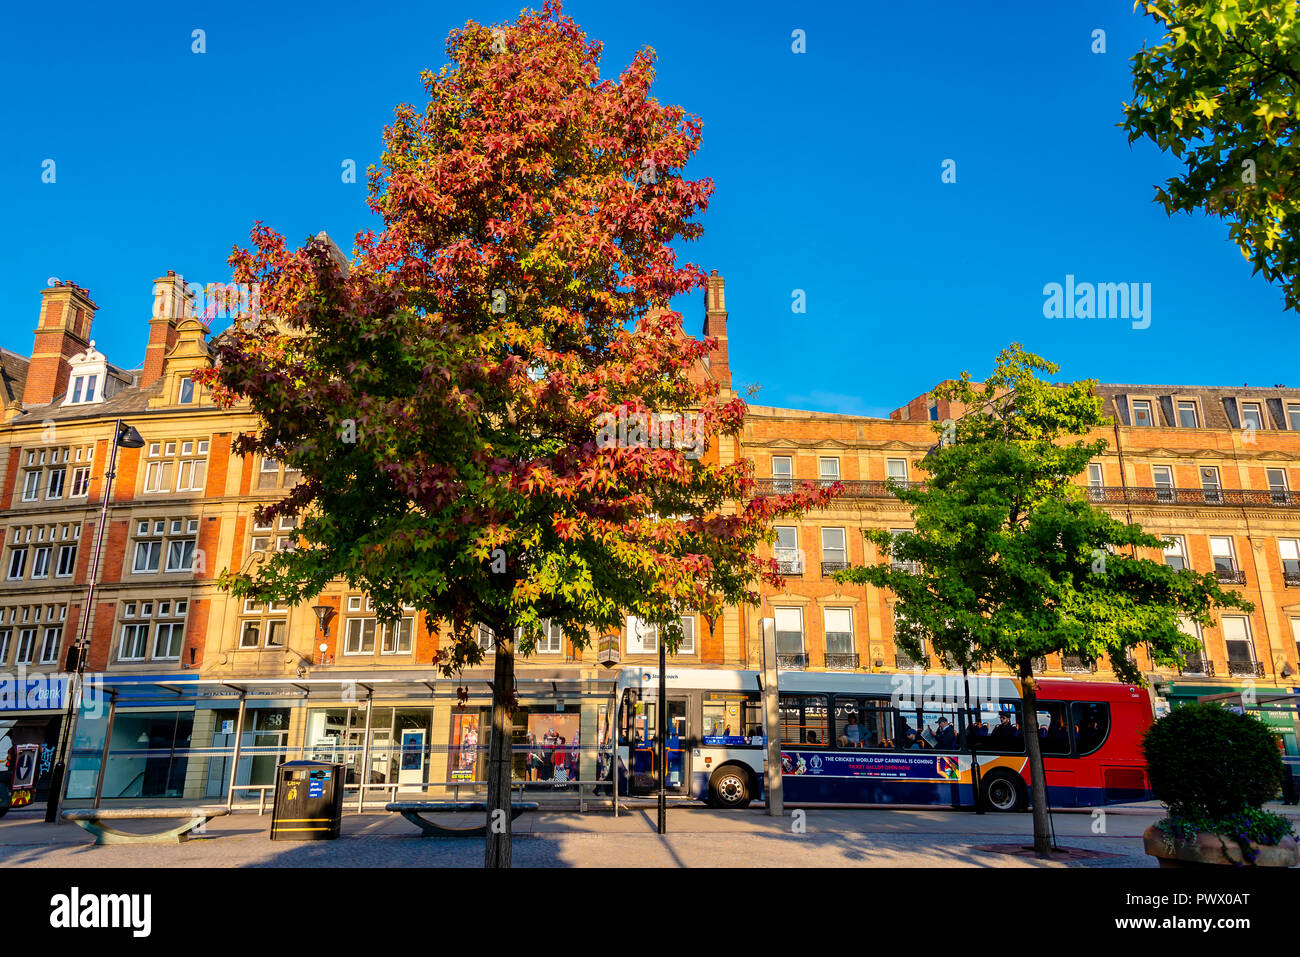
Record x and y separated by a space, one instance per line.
697 837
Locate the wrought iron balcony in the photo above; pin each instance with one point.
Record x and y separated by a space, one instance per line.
1038 665
830 568
1230 576
1198 665
907 663
1165 495
1291 579
836 661
1076 665
789 566
791 662
1243 666
909 567
851 488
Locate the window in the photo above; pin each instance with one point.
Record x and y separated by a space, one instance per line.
839 633
786 552
80 482
6 637
643 639
1188 418
863 723
789 631
805 720
268 475
1142 413
1095 481
1277 486
733 719
1197 663
41 562
186 396
84 388
168 639
147 555
31 485
1236 639
193 466
185 460
17 563
1176 552
1053 734
50 644
782 473
178 537
996 729
1225 562
1289 551
180 555
1251 418
1091 725
483 635
899 564
896 469
264 626
54 484
552 641
1210 484
1293 417
26 651
1295 633
828 470
834 554
360 638
134 642
397 637
1163 476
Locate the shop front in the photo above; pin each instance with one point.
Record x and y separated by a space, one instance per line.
1275 706
32 709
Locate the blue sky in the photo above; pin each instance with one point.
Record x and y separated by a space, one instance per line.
827 166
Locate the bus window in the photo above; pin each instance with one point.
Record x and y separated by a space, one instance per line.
1053 735
1091 725
996 729
805 720
732 720
861 722
939 729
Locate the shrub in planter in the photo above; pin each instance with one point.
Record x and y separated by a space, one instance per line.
1214 769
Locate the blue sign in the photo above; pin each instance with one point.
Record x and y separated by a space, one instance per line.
730 740
315 789
35 692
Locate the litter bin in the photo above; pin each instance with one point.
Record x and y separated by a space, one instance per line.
308 801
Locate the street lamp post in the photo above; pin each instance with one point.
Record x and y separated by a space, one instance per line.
124 436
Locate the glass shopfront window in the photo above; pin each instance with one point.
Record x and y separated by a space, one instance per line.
262 746
142 758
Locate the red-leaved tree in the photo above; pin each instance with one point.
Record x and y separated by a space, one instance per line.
451 393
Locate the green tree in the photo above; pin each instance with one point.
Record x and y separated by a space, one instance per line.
472 400
1221 94
1012 562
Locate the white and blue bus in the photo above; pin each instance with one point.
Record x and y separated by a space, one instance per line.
869 739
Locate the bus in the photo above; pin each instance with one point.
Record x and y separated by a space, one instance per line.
879 739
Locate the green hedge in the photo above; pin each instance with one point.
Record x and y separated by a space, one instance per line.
1206 761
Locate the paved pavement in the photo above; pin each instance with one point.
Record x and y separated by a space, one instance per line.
697 837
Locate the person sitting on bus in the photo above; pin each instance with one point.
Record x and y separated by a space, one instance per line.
1005 731
945 737
812 738
914 743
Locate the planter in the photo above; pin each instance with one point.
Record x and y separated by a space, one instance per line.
1210 850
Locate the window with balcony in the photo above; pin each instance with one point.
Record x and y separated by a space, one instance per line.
1278 488
1225 561
1289 552
841 654
899 564
1240 647
790 653
896 469
782 473
1197 662
1176 552
1210 486
1188 415
828 470
1163 477
902 659
835 556
1252 416
1096 490
786 550
1143 416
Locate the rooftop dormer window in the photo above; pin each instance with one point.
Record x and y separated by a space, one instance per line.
89 380
85 388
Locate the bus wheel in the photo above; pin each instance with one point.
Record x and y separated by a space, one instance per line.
729 787
1004 792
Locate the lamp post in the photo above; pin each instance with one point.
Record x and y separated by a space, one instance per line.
126 437
324 615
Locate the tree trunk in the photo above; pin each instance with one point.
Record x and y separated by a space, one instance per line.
500 751
1037 774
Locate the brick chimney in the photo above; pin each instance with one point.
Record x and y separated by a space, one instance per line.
171 304
62 331
715 326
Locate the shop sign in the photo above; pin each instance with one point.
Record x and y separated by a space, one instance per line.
33 692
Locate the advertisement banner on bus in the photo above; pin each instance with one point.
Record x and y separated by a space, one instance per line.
914 767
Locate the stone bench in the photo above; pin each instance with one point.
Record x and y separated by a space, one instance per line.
95 821
411 810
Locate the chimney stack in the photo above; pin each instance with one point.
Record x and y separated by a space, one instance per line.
171 304
62 331
715 326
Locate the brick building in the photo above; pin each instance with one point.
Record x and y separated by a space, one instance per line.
199 691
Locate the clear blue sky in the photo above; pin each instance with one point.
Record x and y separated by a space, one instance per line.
827 166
